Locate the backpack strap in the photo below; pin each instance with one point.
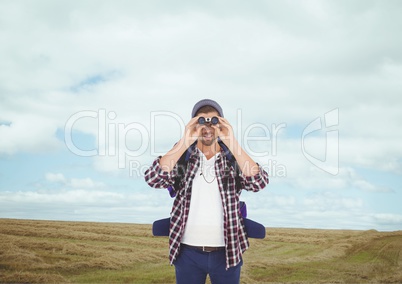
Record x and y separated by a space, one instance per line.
232 162
181 169
183 161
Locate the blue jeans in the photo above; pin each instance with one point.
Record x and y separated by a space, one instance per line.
193 266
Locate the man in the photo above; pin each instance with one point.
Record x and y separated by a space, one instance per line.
207 234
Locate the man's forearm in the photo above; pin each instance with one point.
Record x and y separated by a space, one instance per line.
245 162
169 160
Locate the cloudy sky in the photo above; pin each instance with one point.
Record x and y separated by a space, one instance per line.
92 91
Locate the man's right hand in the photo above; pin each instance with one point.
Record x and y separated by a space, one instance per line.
191 133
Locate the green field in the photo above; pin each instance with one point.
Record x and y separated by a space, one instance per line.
83 252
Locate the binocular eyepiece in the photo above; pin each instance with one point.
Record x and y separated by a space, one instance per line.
214 120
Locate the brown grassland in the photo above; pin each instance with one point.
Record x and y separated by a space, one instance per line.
84 252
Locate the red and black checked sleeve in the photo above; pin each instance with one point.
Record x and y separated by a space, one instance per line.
156 177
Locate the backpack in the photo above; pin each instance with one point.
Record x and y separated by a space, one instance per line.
253 229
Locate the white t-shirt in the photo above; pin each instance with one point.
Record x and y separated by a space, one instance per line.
204 225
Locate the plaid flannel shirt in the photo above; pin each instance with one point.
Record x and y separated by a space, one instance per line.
235 236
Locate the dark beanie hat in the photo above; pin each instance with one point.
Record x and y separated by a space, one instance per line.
207 102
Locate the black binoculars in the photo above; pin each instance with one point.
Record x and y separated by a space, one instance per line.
214 120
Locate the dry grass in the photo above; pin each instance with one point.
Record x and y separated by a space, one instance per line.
82 252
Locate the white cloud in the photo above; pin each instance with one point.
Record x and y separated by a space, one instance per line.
388 219
85 183
28 133
52 177
137 58
366 186
85 204
73 183
327 201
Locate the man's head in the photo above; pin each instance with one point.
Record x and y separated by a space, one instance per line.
208 109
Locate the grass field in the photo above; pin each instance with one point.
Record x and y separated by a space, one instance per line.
83 252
